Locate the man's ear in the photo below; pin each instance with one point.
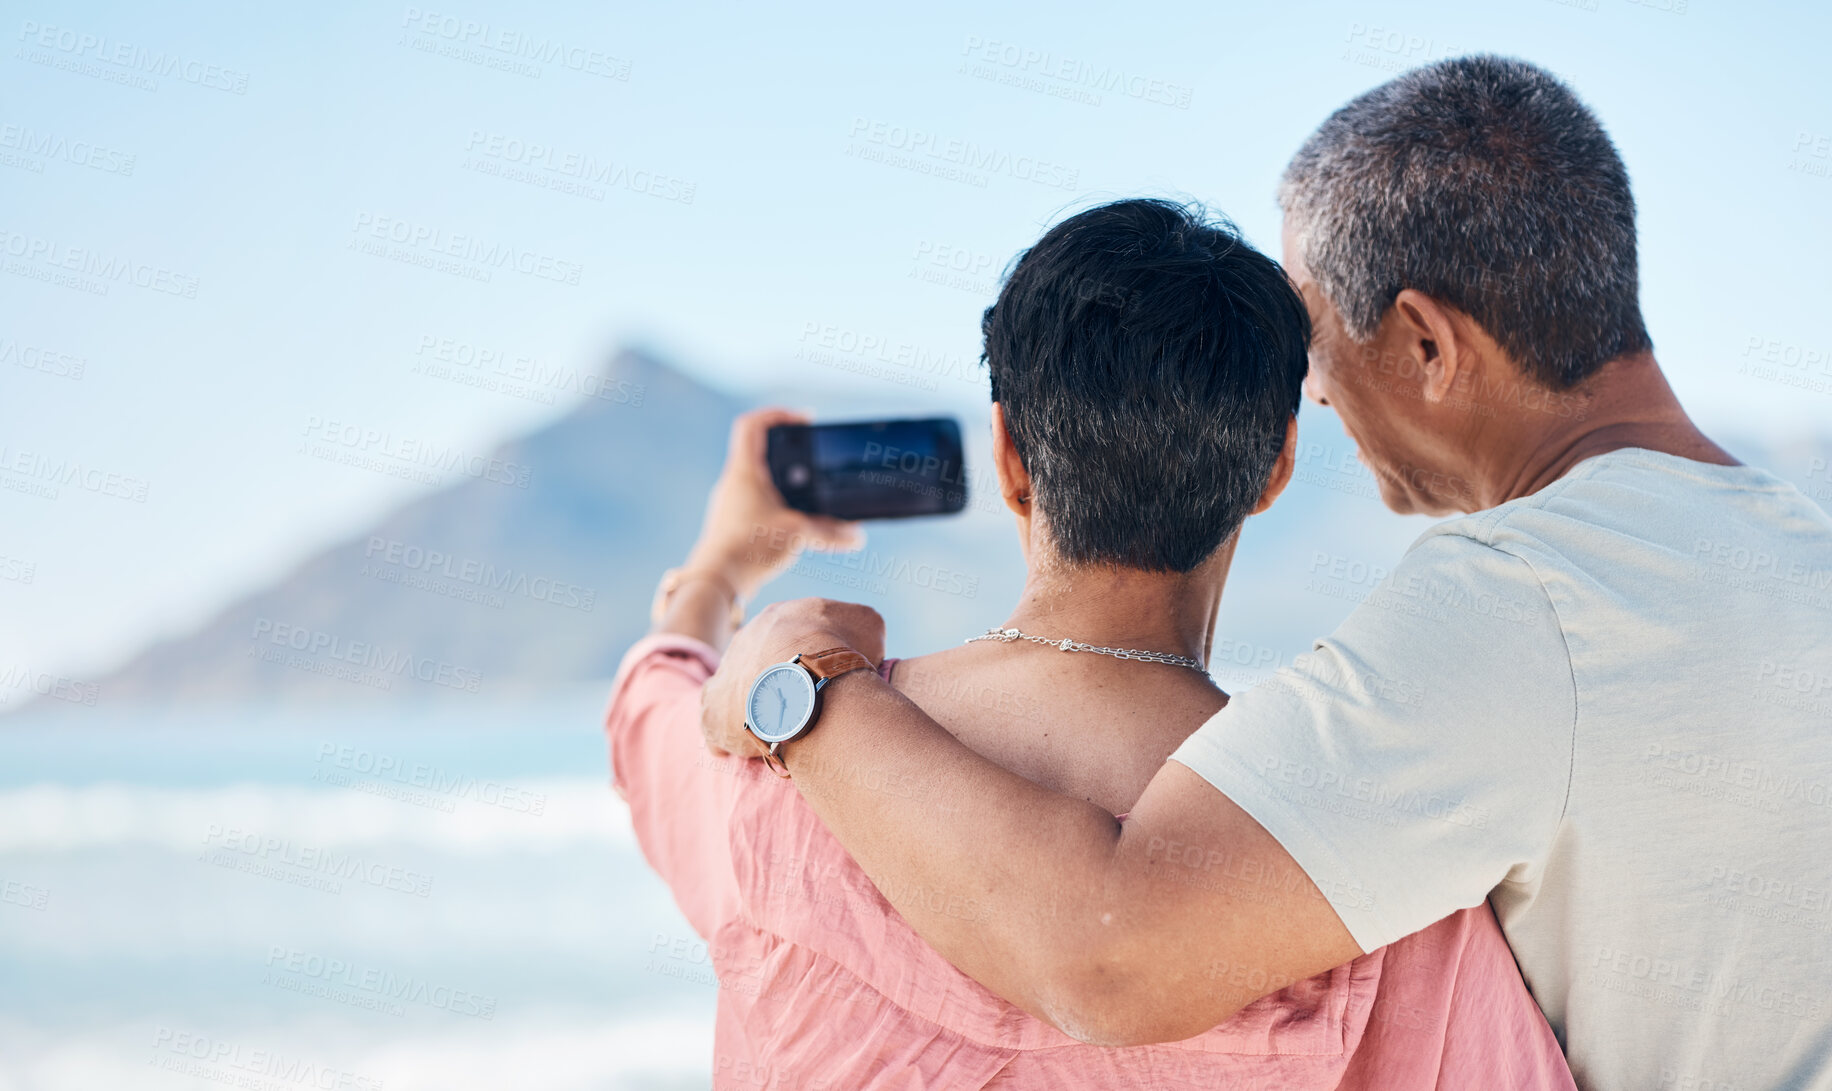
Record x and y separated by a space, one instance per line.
1014 479
1434 339
1282 469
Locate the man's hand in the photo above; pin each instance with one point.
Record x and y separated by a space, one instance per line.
778 634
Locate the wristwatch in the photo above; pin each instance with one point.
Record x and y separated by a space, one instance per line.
786 698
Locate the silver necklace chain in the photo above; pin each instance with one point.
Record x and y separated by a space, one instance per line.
1006 636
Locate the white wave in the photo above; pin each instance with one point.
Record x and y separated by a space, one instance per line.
558 1052
538 815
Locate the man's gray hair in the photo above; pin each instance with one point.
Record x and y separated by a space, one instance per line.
1486 184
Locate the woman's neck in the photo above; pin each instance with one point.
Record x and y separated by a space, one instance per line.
1125 607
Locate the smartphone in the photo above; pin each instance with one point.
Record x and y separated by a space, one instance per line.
880 469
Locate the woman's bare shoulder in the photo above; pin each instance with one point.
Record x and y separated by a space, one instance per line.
1084 728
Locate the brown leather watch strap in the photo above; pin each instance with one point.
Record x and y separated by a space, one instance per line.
834 662
771 758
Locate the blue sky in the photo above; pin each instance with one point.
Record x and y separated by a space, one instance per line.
245 227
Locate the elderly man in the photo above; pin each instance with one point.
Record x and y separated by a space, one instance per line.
1599 698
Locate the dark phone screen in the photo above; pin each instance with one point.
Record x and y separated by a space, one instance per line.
871 469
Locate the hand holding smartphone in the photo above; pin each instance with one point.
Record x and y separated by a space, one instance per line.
885 469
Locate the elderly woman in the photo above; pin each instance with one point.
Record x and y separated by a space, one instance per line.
1146 364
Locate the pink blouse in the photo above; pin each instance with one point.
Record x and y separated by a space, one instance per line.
823 985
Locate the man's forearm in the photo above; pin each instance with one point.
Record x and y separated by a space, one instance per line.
1122 934
1010 877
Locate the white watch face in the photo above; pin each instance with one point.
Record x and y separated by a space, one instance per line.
782 700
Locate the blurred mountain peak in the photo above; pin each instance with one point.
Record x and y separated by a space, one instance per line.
539 577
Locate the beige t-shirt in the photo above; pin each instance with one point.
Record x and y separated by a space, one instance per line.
1606 707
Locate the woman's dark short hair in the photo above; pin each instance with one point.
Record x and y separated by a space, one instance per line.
1148 360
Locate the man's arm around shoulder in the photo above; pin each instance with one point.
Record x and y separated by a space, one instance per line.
1151 930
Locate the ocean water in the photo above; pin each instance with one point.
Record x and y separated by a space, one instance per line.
354 899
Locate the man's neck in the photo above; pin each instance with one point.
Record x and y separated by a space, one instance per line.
1627 403
1126 607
